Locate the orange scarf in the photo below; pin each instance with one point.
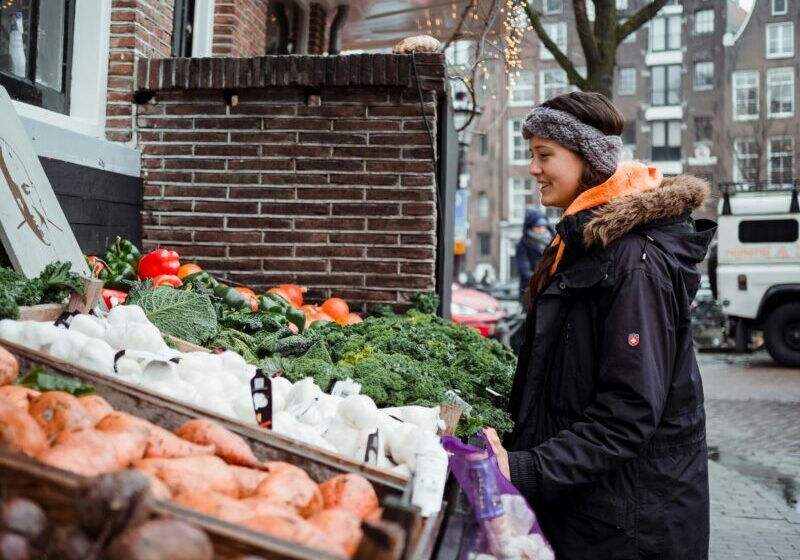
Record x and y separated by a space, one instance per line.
630 177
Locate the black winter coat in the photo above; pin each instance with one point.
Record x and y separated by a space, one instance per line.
528 253
609 443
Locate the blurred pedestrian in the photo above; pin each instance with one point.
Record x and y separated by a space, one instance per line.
536 236
609 439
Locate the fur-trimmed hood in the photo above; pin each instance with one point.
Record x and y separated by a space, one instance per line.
676 196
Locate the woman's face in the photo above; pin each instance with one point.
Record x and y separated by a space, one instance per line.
558 171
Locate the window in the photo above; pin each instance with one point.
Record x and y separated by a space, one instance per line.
483 145
703 75
703 129
780 92
590 11
780 161
483 205
630 38
184 28
779 7
460 53
665 84
745 160
622 5
768 231
629 134
484 244
703 22
558 33
484 86
33 66
665 33
522 89
522 196
666 141
780 40
552 83
745 96
627 81
550 7
520 151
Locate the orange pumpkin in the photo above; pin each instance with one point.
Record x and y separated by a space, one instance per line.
187 269
336 308
281 293
350 319
294 292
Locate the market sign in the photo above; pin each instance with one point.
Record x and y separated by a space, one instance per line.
33 228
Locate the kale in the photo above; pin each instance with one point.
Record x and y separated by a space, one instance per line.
252 322
58 282
8 307
236 341
425 302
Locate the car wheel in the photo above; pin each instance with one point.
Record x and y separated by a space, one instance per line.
782 334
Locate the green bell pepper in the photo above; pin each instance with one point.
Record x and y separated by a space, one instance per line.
203 277
231 298
122 250
118 272
297 318
268 302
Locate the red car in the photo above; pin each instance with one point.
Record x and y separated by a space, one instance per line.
475 309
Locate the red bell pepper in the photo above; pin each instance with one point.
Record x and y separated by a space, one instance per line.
97 264
158 262
167 280
113 297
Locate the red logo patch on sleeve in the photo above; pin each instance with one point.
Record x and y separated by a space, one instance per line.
633 339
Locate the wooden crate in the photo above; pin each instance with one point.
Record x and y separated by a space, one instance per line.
267 446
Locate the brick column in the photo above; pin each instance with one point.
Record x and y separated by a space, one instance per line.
240 28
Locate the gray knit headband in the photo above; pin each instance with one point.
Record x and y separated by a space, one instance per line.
601 152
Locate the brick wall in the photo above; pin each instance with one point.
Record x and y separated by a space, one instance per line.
320 170
139 29
240 28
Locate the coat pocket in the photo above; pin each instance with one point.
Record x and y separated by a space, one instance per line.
601 524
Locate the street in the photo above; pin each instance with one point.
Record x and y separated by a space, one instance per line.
753 410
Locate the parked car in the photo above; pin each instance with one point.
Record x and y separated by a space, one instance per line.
475 309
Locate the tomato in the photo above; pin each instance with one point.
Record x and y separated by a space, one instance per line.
245 291
294 292
187 269
167 280
336 308
350 319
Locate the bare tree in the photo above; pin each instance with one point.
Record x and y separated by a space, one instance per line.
599 40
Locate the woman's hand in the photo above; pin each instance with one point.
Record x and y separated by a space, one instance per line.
499 451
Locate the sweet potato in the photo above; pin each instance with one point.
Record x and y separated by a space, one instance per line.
9 367
291 486
203 473
19 432
90 453
229 446
57 411
259 505
96 406
296 530
162 539
215 505
20 396
248 479
351 492
159 490
340 525
160 442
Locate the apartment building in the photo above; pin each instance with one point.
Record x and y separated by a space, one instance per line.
672 84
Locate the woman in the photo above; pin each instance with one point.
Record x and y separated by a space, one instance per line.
609 439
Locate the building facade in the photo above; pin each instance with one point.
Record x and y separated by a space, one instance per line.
705 87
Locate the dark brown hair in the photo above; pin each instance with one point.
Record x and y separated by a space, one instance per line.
596 110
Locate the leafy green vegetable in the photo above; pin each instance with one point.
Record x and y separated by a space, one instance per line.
38 380
187 315
252 322
58 282
425 302
237 341
8 307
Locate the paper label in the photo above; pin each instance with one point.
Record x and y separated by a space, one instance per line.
429 481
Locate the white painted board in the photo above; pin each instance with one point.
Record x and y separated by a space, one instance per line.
33 228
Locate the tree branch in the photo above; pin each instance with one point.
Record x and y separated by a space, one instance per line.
565 63
638 19
585 33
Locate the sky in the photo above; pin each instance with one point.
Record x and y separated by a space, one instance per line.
747 4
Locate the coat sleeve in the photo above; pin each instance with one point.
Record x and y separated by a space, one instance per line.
524 263
635 370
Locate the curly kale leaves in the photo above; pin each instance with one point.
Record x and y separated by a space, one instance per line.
58 282
53 285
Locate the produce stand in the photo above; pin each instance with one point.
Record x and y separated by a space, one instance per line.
420 536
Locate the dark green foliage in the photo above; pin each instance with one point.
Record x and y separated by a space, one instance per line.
8 307
239 342
425 302
58 282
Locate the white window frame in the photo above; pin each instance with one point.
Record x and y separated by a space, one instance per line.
622 5
512 195
785 8
790 152
779 26
558 10
484 203
543 96
704 87
203 36
560 38
737 170
513 138
591 12
771 73
705 30
516 89
620 81
742 74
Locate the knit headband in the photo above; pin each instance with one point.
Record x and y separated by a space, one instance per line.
600 151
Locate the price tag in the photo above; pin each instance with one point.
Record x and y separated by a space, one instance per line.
371 454
261 391
429 480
